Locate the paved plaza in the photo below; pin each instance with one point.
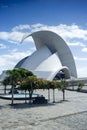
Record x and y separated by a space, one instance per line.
68 115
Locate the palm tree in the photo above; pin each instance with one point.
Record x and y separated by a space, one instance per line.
48 87
52 86
80 85
63 86
5 82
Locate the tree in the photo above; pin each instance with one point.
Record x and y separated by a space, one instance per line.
5 82
29 84
48 87
24 73
80 85
63 86
52 86
15 78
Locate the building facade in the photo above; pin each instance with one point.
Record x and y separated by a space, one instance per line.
52 58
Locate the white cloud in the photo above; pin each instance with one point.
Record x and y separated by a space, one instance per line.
82 71
2 46
8 61
14 37
84 49
76 44
80 58
11 36
38 25
72 31
4 35
81 63
66 31
21 27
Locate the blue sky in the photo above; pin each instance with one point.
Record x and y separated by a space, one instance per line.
68 18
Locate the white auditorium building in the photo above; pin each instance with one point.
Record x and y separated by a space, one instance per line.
51 58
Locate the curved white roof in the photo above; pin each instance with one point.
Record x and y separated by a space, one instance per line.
52 55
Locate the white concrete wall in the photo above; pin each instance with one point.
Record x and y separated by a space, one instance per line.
33 61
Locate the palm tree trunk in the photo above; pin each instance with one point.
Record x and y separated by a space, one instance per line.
5 89
63 95
12 96
48 94
25 97
53 95
30 97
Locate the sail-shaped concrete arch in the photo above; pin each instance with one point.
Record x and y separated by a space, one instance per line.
52 55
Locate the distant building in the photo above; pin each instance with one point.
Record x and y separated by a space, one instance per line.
52 58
